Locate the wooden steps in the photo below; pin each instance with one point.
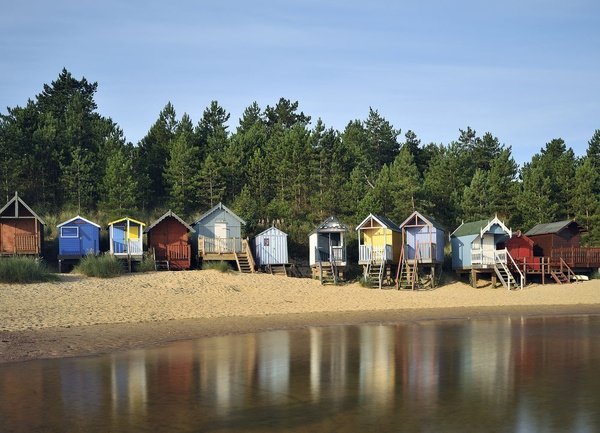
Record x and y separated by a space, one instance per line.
407 275
505 276
559 277
277 270
243 262
375 273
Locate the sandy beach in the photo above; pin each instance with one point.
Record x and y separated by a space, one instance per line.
82 316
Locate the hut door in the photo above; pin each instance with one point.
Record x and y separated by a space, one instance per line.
489 248
221 237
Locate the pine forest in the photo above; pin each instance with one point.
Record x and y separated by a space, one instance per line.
278 165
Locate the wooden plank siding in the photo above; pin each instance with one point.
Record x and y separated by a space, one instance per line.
169 241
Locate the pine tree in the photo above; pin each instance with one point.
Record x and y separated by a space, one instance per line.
381 139
119 186
181 176
212 183
585 201
534 201
475 204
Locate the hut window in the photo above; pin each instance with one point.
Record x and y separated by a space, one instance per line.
266 242
69 232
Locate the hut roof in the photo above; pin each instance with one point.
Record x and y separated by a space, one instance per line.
478 227
429 220
78 217
331 225
220 206
167 214
15 201
124 219
272 229
385 222
554 228
519 235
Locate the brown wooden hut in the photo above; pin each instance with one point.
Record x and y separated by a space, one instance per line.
21 229
168 240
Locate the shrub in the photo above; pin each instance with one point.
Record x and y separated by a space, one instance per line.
147 264
217 266
365 282
104 266
24 270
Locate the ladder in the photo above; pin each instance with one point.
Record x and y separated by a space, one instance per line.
408 270
375 272
503 271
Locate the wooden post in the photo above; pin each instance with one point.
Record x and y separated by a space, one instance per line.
474 278
494 280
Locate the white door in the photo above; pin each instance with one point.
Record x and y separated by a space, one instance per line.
489 247
221 237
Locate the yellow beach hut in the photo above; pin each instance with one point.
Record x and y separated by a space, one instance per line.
379 247
126 239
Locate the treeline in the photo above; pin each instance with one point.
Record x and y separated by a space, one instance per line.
279 164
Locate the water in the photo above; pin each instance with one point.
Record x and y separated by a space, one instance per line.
483 375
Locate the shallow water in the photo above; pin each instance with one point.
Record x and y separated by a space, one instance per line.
482 375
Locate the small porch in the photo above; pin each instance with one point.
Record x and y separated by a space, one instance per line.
368 254
219 248
24 245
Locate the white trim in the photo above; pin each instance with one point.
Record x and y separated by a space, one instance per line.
63 236
76 218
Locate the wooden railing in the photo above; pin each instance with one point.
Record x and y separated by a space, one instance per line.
371 254
27 244
246 249
478 257
129 247
336 254
581 257
208 245
180 251
427 251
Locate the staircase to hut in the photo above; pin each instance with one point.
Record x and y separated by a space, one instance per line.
160 264
277 270
244 259
407 275
561 272
375 273
328 273
502 258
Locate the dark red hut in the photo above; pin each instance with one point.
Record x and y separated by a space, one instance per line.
168 241
520 247
21 229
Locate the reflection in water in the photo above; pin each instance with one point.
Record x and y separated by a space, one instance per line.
498 375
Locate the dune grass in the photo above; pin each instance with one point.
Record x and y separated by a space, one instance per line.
103 266
217 266
24 270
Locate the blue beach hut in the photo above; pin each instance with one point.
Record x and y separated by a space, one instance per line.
77 238
480 247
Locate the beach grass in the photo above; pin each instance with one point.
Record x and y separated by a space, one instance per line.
103 266
217 266
24 270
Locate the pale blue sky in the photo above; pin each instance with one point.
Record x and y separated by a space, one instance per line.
525 70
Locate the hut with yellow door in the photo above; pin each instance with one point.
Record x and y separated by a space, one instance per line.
379 247
126 239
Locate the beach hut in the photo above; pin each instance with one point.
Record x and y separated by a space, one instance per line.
559 243
168 241
422 257
21 229
379 248
77 238
126 239
327 250
219 238
271 251
479 247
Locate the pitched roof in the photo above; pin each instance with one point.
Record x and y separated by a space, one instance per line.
273 229
167 214
124 219
78 217
16 200
385 222
429 220
479 227
330 225
552 228
219 207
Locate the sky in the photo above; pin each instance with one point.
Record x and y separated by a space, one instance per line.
528 71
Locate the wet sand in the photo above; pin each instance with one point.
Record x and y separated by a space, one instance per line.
85 316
